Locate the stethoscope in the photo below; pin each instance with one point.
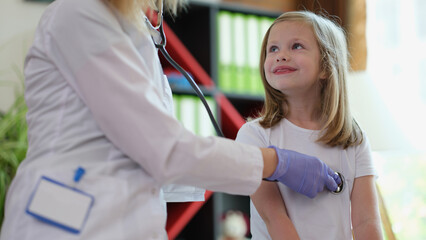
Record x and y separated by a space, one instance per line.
159 39
157 33
340 186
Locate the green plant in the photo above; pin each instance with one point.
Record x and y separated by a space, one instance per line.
13 141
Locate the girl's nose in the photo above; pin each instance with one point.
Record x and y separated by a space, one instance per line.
281 59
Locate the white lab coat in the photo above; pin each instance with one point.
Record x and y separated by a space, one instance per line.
97 98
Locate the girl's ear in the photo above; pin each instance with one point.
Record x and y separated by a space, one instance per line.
323 75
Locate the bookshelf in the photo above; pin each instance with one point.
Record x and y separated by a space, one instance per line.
197 28
192 42
195 218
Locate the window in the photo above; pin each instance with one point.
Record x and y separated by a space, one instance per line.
396 64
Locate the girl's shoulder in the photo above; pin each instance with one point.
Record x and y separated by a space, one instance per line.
253 133
250 124
253 121
253 124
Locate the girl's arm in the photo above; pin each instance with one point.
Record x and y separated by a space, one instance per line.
271 207
365 210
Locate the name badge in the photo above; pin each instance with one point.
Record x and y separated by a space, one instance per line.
60 205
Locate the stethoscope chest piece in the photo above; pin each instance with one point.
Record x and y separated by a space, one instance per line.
341 186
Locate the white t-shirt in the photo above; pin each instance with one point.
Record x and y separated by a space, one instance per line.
327 216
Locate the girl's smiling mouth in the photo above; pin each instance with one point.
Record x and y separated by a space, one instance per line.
283 70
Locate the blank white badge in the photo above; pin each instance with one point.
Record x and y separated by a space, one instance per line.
60 205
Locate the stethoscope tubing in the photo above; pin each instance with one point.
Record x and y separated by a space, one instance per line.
162 47
195 87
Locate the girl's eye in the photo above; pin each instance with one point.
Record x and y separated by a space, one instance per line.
273 49
297 46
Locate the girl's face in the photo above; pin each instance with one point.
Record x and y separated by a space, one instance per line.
292 63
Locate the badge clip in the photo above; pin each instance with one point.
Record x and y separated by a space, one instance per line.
60 205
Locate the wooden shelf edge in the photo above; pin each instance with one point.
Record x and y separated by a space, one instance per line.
179 215
184 58
231 118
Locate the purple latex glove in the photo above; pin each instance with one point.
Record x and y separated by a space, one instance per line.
303 173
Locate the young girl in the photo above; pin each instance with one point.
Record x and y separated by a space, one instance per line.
305 65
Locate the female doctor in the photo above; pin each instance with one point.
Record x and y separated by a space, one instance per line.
97 99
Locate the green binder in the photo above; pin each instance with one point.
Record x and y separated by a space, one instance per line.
224 41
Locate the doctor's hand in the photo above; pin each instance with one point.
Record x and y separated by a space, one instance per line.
303 173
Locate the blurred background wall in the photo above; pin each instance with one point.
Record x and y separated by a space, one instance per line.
18 19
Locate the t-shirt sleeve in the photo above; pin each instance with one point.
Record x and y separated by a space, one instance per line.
253 134
364 159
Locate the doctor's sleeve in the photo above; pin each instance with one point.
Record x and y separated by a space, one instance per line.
116 83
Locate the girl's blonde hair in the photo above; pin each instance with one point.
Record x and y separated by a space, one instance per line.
339 128
131 9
